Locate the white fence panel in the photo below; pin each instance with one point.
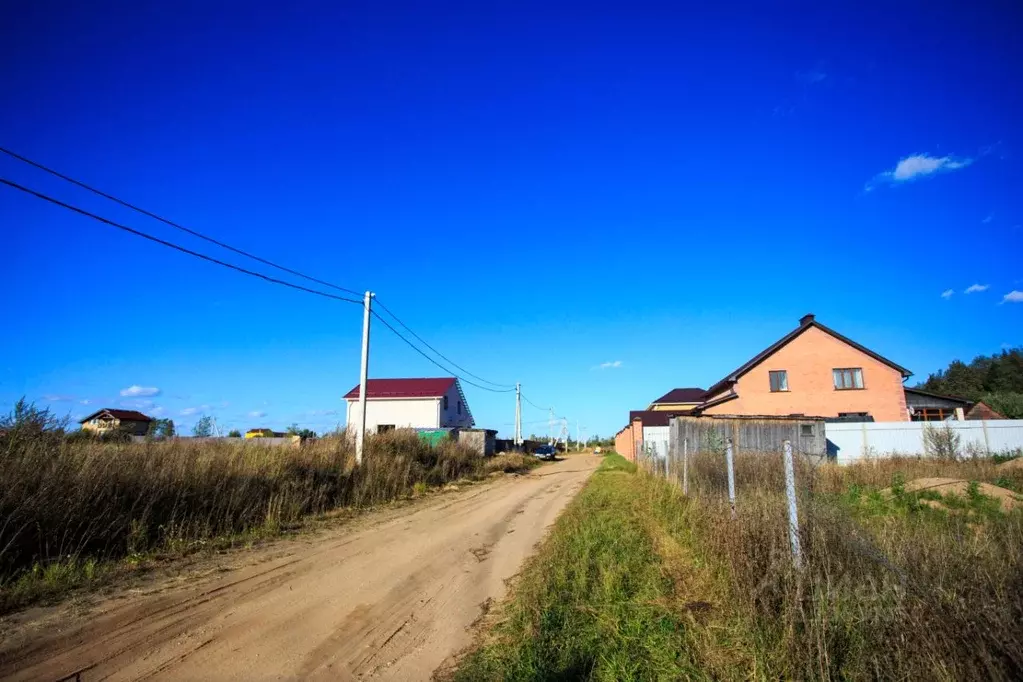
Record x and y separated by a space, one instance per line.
655 440
850 442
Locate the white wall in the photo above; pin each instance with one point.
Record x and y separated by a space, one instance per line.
450 418
850 442
655 440
417 413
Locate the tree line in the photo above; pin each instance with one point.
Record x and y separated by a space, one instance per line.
996 380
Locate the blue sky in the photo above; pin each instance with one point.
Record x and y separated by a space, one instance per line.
538 191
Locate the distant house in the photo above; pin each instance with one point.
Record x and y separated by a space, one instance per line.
108 420
678 400
429 403
925 406
813 371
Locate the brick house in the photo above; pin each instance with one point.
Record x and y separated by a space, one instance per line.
812 370
110 420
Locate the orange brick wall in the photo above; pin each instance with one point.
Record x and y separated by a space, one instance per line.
809 359
625 444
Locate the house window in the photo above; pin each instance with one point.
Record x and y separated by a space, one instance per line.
445 403
384 428
806 430
459 407
848 379
779 380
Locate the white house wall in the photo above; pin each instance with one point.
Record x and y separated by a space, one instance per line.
416 413
450 417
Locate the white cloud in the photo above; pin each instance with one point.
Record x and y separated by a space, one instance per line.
57 398
158 411
989 218
947 293
1013 296
137 404
976 288
917 166
136 391
188 411
610 365
322 413
256 414
84 402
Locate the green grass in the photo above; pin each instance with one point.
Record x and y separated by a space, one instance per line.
636 582
604 599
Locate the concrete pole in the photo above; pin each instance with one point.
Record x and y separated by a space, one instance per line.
360 437
731 475
790 492
518 414
550 428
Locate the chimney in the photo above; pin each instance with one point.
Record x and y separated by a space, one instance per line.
806 319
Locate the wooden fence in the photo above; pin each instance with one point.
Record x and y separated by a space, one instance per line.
748 434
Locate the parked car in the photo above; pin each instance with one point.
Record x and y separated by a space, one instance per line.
545 452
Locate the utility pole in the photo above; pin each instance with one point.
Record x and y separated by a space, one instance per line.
564 427
518 413
550 428
360 437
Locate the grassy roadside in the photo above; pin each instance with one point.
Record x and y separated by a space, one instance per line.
617 592
78 514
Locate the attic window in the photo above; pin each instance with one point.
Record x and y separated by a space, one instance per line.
779 380
459 407
445 403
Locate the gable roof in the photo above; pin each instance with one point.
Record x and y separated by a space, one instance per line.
382 389
805 323
681 395
929 394
123 415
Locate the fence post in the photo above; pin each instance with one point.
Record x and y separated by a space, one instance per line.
731 475
790 492
685 466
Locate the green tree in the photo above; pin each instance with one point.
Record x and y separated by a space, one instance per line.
161 428
996 379
27 419
304 434
204 427
234 433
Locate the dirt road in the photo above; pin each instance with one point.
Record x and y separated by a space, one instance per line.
391 599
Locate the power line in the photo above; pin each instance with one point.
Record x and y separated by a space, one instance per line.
532 403
171 245
446 369
173 224
439 354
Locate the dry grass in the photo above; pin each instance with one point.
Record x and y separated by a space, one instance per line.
67 505
891 587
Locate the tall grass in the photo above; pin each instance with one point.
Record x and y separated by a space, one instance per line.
73 501
890 586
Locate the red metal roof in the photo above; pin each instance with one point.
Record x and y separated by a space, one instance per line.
682 395
404 388
123 415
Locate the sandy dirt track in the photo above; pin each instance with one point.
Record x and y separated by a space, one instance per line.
387 599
